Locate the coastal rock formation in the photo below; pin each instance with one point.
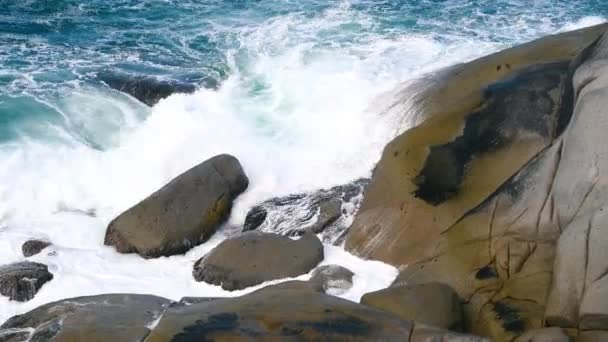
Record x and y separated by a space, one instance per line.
147 89
327 212
111 317
497 192
272 313
333 279
254 257
433 304
279 314
21 281
183 213
33 247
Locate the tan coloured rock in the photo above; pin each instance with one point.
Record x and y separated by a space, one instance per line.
544 335
477 196
433 304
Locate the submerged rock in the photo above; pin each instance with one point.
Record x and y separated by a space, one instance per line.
147 89
433 304
507 159
21 281
110 317
254 257
33 247
333 279
183 213
327 212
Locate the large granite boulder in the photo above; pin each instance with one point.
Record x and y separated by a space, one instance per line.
274 314
33 247
254 257
328 212
579 291
478 194
183 213
433 304
21 281
111 317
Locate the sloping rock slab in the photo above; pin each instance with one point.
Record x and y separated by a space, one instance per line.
254 257
273 314
111 317
327 211
21 281
183 213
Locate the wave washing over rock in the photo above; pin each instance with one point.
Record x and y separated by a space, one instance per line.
105 105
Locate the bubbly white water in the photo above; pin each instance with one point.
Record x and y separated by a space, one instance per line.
297 118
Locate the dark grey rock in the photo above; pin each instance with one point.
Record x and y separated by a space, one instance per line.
111 317
183 213
254 257
150 90
327 212
21 281
333 278
33 247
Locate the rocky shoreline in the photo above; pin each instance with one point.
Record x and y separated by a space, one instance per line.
491 206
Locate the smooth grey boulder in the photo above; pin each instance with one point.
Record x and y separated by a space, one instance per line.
334 279
433 304
110 317
254 257
33 247
327 212
183 213
21 281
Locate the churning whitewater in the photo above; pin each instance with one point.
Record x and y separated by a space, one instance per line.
300 93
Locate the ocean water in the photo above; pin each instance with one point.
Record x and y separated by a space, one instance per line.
301 88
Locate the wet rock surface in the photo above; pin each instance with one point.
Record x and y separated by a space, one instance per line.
327 212
21 281
111 317
334 279
148 89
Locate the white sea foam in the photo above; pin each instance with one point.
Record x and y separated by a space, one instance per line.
298 116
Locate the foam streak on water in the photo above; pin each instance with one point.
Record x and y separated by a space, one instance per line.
298 105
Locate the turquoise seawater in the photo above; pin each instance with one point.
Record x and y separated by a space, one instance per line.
50 47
